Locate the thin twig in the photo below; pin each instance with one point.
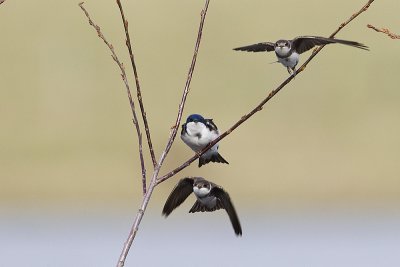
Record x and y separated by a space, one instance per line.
385 31
186 90
153 182
260 106
138 91
124 78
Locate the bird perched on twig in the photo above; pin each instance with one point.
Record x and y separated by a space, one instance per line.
197 133
210 197
288 51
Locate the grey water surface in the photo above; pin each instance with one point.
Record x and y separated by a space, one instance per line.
309 238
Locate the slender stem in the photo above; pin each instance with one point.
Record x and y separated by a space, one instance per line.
385 31
187 85
138 91
125 80
260 106
135 227
153 183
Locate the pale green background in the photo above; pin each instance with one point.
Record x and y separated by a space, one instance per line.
331 138
331 135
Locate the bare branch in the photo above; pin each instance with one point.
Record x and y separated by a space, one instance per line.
385 31
186 90
138 91
2 1
125 80
153 182
260 106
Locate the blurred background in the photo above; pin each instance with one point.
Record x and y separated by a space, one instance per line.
314 176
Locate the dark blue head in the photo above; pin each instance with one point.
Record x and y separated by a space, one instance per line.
195 118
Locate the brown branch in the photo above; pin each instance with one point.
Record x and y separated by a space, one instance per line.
2 1
125 80
138 91
385 31
153 182
260 106
186 90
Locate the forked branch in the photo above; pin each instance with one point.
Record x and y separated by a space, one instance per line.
125 80
260 106
153 182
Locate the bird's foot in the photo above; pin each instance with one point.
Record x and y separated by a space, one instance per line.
294 73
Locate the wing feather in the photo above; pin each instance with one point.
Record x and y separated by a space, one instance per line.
226 203
178 195
211 125
260 47
305 43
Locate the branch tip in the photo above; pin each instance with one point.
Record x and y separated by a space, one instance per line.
385 31
138 90
263 102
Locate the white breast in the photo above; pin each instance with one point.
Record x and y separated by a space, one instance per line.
290 61
202 196
198 136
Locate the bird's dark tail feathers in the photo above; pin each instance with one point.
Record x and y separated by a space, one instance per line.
214 158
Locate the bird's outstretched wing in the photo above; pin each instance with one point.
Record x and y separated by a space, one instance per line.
305 43
260 47
181 191
226 203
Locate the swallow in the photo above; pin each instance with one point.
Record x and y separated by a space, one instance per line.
210 197
288 51
197 132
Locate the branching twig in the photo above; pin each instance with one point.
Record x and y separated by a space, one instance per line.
385 31
138 91
260 106
153 182
124 78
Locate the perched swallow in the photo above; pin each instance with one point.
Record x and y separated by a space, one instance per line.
210 197
288 51
197 133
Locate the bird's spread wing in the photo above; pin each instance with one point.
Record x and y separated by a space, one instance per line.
181 191
226 203
260 47
305 43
